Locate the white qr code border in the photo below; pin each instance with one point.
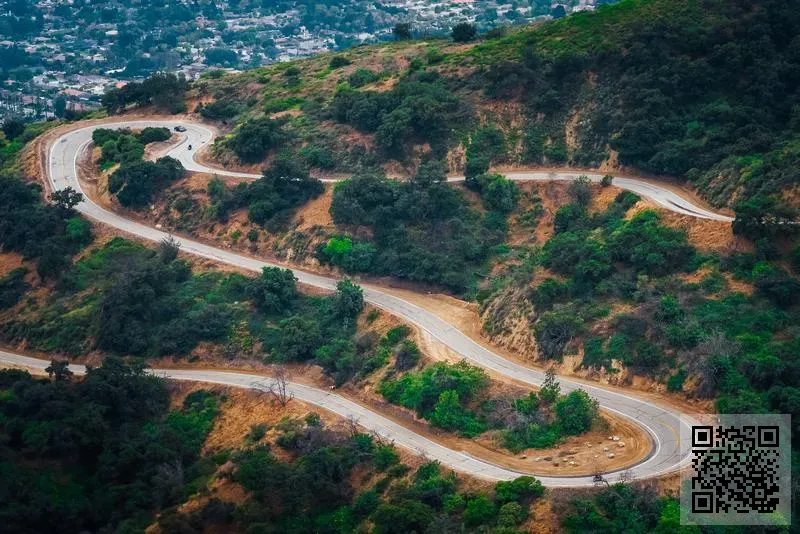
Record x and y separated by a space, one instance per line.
737 469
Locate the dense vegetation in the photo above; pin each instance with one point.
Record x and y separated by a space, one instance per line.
125 299
419 109
709 337
705 91
314 492
422 229
456 398
634 508
100 454
702 90
253 139
50 233
162 90
107 453
136 181
272 199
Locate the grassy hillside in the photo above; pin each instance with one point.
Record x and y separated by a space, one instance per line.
705 91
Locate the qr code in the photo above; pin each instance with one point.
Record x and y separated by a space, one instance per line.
739 471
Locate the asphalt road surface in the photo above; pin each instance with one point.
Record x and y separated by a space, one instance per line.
662 423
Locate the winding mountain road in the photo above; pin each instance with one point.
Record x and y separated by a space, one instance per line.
662 423
199 137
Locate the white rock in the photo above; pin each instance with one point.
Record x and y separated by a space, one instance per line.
605 449
610 455
620 444
572 463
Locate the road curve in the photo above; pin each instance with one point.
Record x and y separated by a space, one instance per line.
661 423
338 405
199 136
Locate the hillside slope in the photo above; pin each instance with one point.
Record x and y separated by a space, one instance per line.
703 91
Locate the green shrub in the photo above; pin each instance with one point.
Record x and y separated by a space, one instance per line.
555 329
12 287
518 490
576 412
385 457
338 62
361 77
318 157
136 183
254 138
479 511
650 247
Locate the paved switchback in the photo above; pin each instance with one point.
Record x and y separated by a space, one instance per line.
662 423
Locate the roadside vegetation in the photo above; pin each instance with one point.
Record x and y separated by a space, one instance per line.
272 199
49 233
125 299
135 182
142 457
421 230
98 454
456 397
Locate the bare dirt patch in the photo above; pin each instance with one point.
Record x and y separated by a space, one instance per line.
316 212
10 261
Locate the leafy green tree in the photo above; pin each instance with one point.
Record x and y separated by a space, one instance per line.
168 249
66 199
498 193
135 183
59 371
272 198
393 132
13 128
348 301
518 490
479 511
551 388
580 190
555 329
510 515
407 355
60 106
402 31
650 247
152 135
255 137
338 62
576 412
464 32
450 415
274 291
300 337
406 516
775 284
